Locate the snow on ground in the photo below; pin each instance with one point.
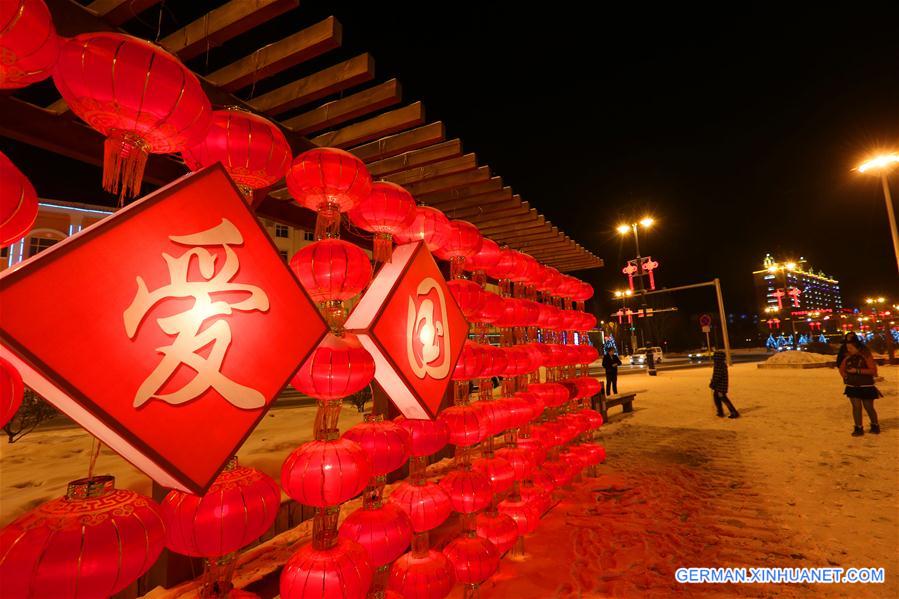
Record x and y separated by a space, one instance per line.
799 357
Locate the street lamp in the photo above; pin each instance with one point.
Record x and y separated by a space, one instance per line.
625 228
882 165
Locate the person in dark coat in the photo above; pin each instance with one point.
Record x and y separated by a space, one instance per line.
611 362
841 355
858 371
719 386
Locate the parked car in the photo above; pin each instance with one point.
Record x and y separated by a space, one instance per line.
699 356
640 356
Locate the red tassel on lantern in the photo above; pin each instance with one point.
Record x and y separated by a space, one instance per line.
140 97
93 542
328 181
18 203
251 148
386 211
11 391
29 45
338 367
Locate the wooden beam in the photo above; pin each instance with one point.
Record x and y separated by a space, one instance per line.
480 213
435 169
559 254
276 57
67 136
408 160
525 236
382 125
449 181
329 81
527 220
401 142
560 239
460 193
583 260
117 12
482 199
223 23
542 251
348 108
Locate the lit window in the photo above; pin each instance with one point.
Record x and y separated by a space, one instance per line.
281 231
308 235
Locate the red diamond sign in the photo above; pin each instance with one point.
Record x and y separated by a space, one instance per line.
166 330
410 323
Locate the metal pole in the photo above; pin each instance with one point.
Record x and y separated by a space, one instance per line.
891 216
723 322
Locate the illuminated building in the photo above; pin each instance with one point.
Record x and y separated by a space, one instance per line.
788 290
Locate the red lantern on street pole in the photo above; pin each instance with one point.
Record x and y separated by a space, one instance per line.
137 95
93 542
338 368
252 149
386 211
29 45
332 271
18 203
328 181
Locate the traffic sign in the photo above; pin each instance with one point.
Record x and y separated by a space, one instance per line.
705 321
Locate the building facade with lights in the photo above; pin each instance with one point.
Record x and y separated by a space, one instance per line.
792 290
57 220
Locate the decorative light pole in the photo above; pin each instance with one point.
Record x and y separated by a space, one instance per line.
638 272
882 165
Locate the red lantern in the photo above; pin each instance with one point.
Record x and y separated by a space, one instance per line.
469 297
385 532
328 181
422 576
529 270
18 203
470 363
534 446
385 442
549 280
594 418
542 479
338 367
251 148
29 45
535 402
467 426
93 542
140 97
485 258
498 470
552 394
474 559
463 239
11 391
492 309
525 516
499 529
325 473
237 509
427 505
386 211
426 437
332 271
521 460
507 266
538 498
429 225
339 572
496 413
470 491
589 354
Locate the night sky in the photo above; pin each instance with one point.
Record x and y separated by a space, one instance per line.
737 131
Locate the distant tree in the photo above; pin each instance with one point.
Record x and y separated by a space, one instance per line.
31 413
360 397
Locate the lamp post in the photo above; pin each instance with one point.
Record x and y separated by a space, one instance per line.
882 165
623 229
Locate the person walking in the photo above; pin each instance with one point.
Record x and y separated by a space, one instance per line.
718 385
858 371
611 362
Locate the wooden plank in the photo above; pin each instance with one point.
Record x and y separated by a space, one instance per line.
526 220
401 142
483 199
346 109
479 213
318 85
382 125
525 236
278 56
441 197
435 169
449 181
408 160
64 135
223 23
116 12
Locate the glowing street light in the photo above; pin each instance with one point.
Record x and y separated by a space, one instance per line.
625 228
882 165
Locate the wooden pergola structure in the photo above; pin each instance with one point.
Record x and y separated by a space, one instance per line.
394 139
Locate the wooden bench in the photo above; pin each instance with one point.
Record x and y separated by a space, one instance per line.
625 400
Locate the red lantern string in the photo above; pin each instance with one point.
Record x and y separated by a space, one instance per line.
28 43
18 203
386 211
140 97
328 181
93 542
252 149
